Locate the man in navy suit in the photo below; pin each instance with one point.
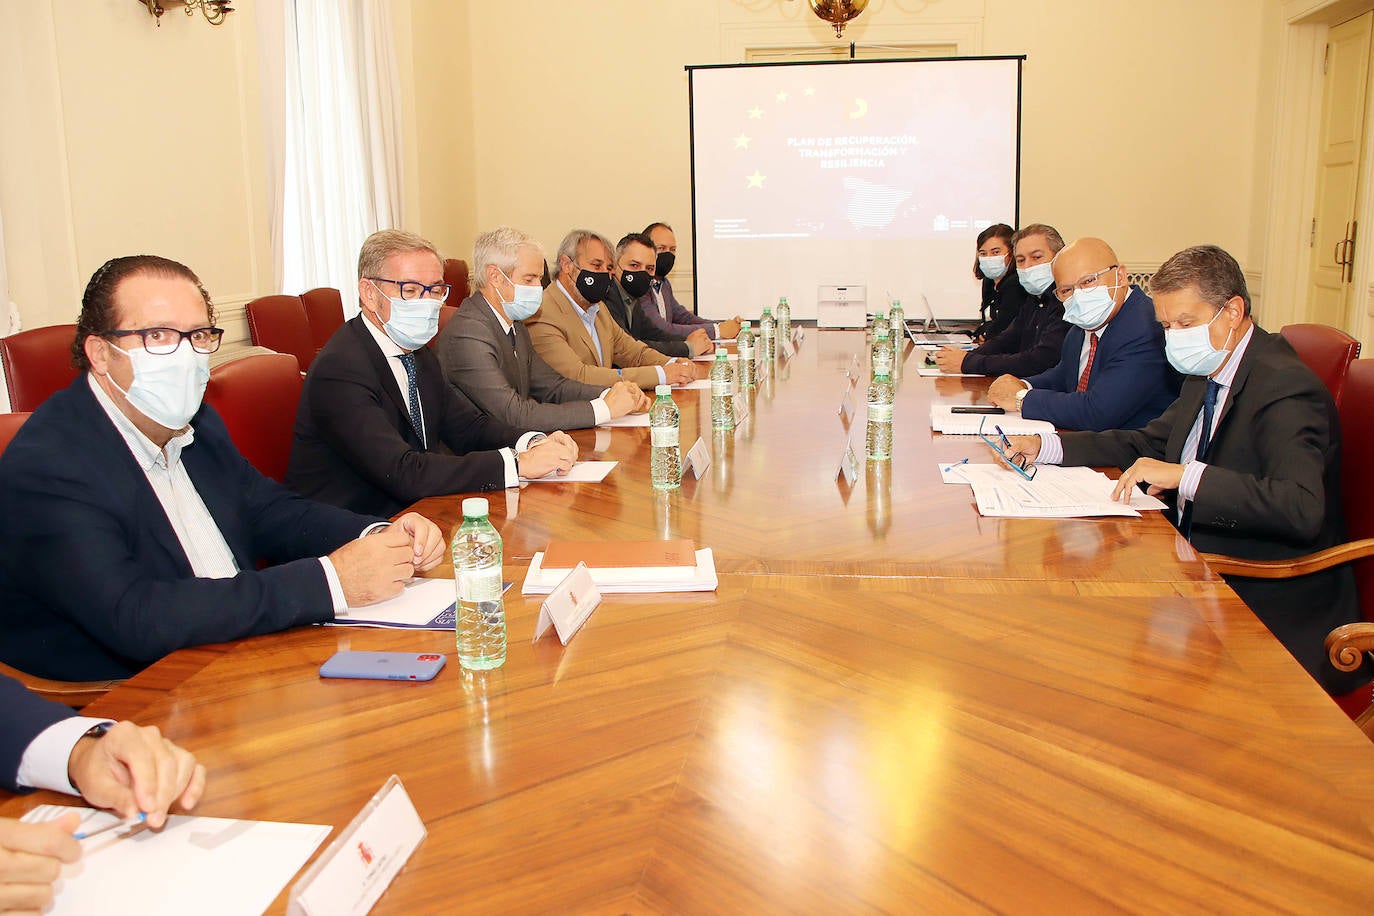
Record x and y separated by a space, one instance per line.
1111 373
378 427
131 524
659 304
120 767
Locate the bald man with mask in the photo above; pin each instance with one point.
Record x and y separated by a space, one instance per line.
1111 372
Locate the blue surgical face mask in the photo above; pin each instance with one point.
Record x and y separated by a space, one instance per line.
413 322
994 268
527 300
1089 308
1190 350
1037 278
167 389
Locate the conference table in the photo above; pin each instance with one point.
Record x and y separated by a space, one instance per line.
889 704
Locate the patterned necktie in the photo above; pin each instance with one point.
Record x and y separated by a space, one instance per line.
1204 444
408 360
1088 366
511 334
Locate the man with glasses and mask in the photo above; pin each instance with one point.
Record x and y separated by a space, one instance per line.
1111 373
132 525
634 274
487 355
378 428
661 306
575 335
1249 454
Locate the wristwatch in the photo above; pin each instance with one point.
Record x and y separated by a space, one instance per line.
1021 396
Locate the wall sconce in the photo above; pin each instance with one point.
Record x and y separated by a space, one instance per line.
214 11
837 12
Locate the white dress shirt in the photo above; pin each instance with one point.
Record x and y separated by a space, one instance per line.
393 354
44 763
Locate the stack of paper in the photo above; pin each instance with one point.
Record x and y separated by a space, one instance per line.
943 420
630 580
193 865
1056 492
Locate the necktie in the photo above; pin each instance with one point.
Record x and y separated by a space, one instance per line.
1088 366
1204 443
413 396
511 334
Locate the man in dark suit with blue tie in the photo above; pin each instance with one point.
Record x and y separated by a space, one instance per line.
120 767
1111 372
378 427
132 525
1250 454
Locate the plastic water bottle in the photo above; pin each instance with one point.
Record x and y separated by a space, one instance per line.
897 318
880 357
722 391
878 440
879 320
748 369
481 609
784 319
768 334
667 460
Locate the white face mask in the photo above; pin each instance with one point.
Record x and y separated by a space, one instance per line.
527 300
1089 308
994 268
1190 350
167 389
1037 278
413 322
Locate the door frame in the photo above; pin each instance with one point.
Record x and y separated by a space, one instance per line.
1293 171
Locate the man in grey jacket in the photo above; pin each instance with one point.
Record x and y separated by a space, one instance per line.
487 355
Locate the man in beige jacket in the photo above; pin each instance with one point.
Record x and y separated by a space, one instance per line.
575 335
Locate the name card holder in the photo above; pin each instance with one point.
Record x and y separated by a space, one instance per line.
569 605
699 456
846 410
357 868
741 409
789 349
849 463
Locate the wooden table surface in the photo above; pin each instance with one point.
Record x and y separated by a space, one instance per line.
1001 725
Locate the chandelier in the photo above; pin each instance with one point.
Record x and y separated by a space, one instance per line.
214 11
837 12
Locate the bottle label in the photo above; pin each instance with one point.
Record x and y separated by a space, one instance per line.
746 353
720 387
880 413
479 585
663 436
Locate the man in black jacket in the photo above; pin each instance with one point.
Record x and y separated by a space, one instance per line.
634 272
1031 343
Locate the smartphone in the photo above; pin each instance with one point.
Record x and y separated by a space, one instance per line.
383 666
978 409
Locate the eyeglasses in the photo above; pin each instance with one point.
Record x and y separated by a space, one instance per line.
165 341
1017 462
413 289
1085 283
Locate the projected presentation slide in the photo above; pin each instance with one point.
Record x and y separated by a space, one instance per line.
878 174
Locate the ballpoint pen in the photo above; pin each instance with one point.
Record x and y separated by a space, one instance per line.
135 820
956 464
1005 441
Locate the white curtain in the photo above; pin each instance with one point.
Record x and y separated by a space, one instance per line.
333 130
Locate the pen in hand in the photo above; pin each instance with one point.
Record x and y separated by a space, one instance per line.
139 818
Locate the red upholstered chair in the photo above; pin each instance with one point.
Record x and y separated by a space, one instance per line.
456 276
279 323
37 363
1346 644
257 396
324 313
1327 352
9 425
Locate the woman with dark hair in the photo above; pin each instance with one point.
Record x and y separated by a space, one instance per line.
1002 292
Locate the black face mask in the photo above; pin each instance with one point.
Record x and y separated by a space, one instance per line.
593 286
635 282
664 263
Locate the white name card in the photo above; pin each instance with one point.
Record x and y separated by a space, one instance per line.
741 410
357 868
846 410
570 604
789 349
699 456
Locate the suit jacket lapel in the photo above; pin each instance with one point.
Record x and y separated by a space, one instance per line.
575 322
510 361
380 368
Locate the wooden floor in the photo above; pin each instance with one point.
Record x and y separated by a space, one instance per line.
890 704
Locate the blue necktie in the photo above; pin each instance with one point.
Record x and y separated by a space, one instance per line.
1204 443
408 360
